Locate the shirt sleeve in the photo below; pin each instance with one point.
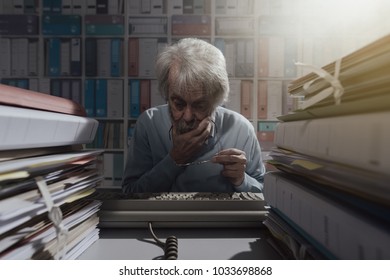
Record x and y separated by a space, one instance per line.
250 184
141 174
255 170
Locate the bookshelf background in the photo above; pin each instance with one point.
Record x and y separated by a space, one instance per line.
101 53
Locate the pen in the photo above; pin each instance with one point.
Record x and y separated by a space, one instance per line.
194 163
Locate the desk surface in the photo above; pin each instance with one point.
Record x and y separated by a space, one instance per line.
194 244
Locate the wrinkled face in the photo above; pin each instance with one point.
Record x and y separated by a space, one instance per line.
187 108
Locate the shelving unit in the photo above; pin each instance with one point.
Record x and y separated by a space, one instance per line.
260 40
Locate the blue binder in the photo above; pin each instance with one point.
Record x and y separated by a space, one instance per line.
116 46
89 97
54 57
101 98
134 87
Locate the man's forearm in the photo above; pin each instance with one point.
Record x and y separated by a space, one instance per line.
159 179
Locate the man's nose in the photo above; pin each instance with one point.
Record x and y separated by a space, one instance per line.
188 114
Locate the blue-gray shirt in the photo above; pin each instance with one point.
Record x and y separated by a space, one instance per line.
150 167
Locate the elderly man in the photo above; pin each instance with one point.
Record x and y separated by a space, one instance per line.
192 144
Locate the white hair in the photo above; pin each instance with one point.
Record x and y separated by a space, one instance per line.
197 63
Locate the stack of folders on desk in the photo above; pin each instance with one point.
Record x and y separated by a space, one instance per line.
330 193
46 177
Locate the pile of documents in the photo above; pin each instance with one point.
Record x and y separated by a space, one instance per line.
329 192
46 177
361 79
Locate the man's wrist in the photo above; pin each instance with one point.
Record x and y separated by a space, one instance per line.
175 162
242 187
174 157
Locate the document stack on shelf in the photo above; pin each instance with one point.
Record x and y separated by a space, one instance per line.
330 195
46 176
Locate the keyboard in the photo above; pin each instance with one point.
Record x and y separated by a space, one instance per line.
171 209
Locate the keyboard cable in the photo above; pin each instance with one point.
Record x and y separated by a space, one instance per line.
170 246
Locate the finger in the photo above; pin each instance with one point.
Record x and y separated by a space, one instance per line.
187 144
193 135
203 135
237 167
231 151
231 173
229 159
204 126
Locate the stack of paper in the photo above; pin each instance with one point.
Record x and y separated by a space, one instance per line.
362 75
333 160
45 180
24 225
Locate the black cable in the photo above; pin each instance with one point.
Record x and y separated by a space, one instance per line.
170 246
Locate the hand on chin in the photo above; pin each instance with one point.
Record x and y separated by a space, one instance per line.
184 127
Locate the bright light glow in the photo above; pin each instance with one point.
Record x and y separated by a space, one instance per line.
342 17
339 27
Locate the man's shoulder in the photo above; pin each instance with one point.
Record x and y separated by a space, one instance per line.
154 118
230 115
233 121
155 113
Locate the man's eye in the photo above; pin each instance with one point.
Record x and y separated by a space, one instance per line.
179 105
200 106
